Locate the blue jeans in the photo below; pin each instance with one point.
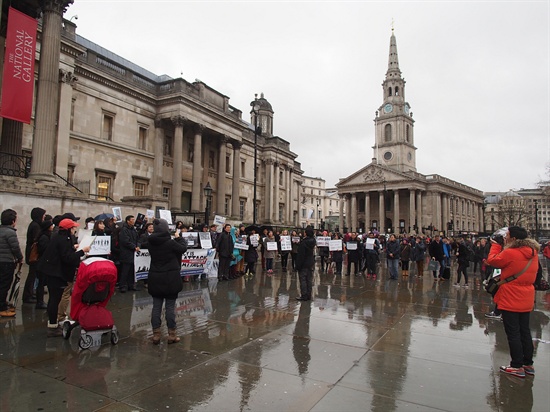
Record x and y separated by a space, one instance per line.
170 313
393 267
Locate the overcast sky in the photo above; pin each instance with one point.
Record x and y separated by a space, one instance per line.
477 74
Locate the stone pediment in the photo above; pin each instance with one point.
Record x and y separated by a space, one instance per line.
374 174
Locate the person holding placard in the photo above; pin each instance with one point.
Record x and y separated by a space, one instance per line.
393 253
224 247
372 250
270 251
251 254
295 239
354 253
285 247
338 255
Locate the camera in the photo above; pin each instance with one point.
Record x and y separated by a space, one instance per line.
499 235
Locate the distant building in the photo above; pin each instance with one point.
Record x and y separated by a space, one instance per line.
389 195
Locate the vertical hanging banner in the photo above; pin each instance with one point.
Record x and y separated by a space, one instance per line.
18 80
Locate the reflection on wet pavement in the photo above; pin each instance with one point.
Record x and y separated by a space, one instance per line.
247 344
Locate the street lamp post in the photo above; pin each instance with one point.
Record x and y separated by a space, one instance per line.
255 110
208 195
317 215
385 220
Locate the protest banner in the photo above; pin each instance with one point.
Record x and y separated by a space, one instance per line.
286 244
219 221
142 262
335 245
322 241
241 243
193 262
206 240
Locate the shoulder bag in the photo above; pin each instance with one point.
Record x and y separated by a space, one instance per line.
494 283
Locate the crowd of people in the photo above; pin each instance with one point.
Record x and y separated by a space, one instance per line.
53 255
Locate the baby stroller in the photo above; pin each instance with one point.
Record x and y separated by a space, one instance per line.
94 286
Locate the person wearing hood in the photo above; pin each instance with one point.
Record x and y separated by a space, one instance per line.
128 243
59 262
305 261
515 298
43 240
37 217
164 280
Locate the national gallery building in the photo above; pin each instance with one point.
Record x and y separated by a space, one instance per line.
105 132
389 195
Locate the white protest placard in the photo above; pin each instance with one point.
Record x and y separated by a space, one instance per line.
286 244
191 237
150 214
255 240
219 221
335 245
90 225
82 233
241 243
370 243
351 246
322 241
206 240
142 262
166 215
271 245
117 212
86 242
296 239
100 246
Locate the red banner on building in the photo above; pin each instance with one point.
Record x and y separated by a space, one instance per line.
18 80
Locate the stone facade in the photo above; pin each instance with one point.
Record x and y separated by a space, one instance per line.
122 136
389 195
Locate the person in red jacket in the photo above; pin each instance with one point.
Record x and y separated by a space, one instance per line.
515 299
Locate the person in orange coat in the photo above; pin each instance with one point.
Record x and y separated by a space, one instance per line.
515 299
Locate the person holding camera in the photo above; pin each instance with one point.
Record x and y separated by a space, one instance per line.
516 256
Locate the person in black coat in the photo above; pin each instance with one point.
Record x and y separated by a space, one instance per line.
37 216
43 240
251 254
436 253
164 278
224 247
128 243
305 261
59 262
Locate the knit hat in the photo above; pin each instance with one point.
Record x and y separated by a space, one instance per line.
160 225
46 224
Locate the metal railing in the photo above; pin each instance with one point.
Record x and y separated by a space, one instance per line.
15 165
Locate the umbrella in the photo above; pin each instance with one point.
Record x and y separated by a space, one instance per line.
251 228
104 216
14 293
265 227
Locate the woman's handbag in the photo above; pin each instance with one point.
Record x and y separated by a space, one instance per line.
494 283
33 255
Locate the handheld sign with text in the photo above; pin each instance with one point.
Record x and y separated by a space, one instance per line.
241 243
206 240
271 245
335 245
286 244
351 246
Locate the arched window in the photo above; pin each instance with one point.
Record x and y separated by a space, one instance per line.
389 91
407 134
387 133
396 90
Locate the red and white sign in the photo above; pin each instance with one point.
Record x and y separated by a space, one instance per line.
18 80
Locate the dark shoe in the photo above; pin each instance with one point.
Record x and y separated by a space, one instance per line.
123 290
156 336
41 305
303 299
55 332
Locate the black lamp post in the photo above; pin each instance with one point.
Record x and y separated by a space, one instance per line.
384 226
483 209
208 195
255 110
317 216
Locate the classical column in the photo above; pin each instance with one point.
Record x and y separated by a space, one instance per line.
158 163
349 218
67 80
197 169
341 212
221 176
47 99
178 122
397 228
445 200
367 212
275 198
419 210
235 199
437 214
290 186
412 210
381 212
354 211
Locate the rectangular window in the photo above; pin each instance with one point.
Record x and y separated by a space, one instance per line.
243 168
227 164
303 213
104 185
140 187
166 192
142 138
108 123
226 205
73 103
281 211
212 160
281 183
168 144
242 204
190 152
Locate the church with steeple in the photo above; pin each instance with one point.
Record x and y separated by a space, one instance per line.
389 195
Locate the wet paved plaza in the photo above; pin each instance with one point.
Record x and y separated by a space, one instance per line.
247 344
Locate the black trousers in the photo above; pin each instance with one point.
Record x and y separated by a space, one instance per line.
516 326
6 278
28 289
306 282
56 286
223 268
